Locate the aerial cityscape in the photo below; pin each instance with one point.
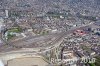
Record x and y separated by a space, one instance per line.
49 32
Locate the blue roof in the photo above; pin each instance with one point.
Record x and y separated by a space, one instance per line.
97 23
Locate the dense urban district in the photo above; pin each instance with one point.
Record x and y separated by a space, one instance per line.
49 32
